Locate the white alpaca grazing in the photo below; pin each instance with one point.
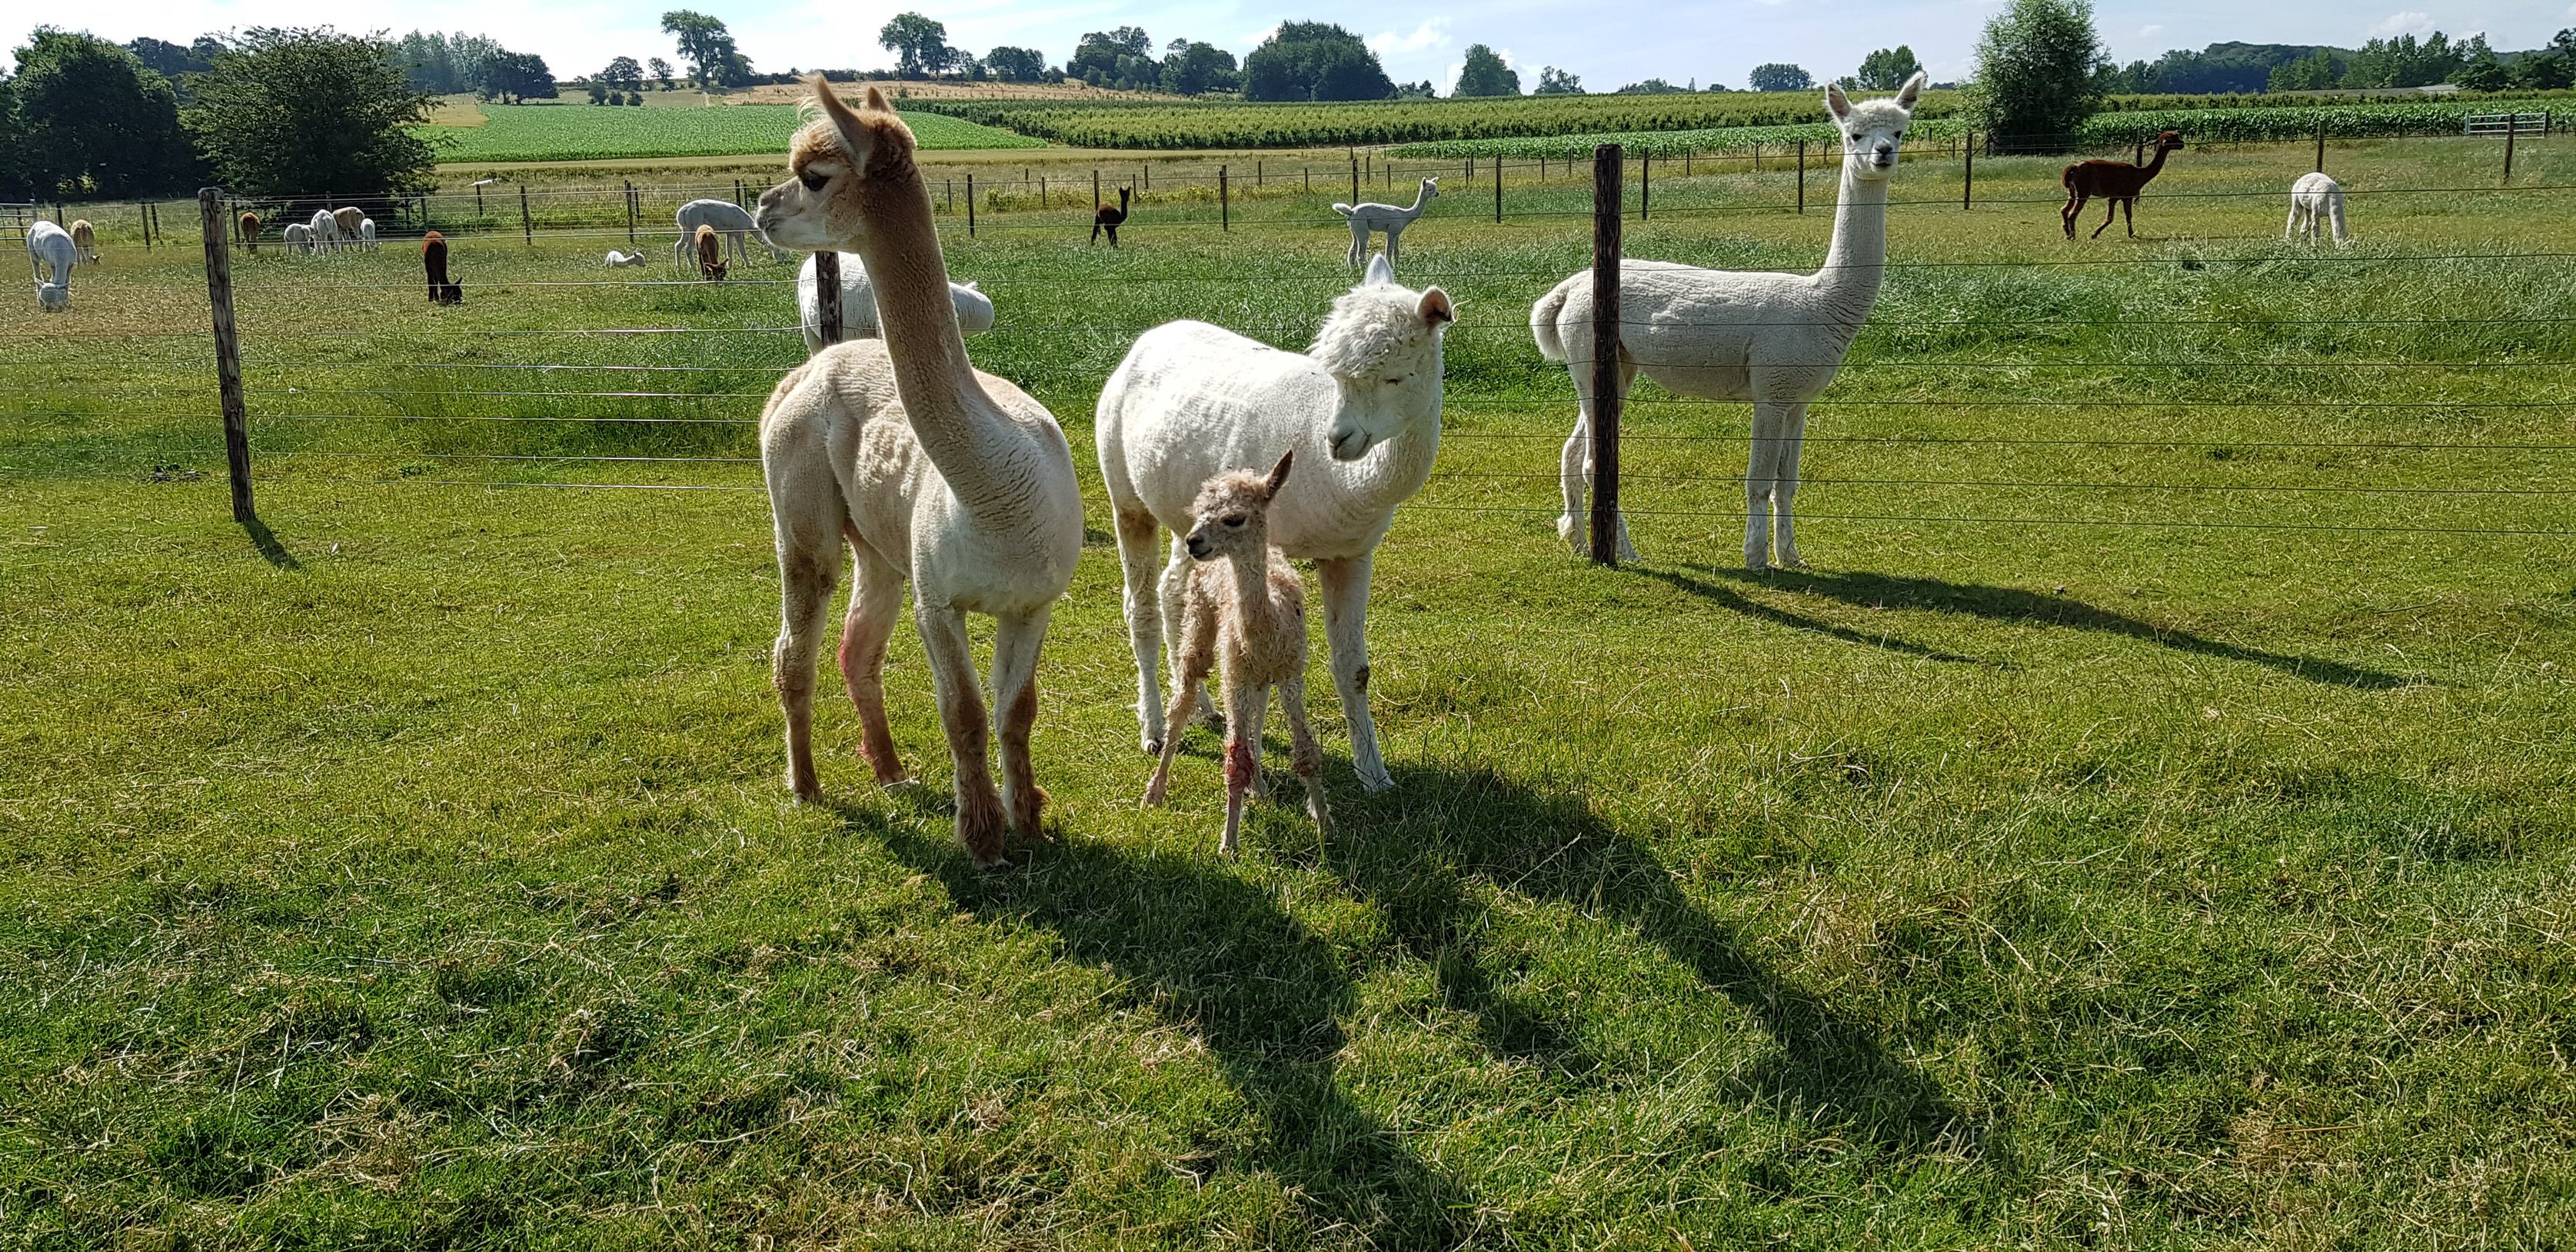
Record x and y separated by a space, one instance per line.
1243 614
859 304
1775 340
298 237
930 468
1192 401
2316 200
326 231
53 251
730 221
620 260
1391 219
367 233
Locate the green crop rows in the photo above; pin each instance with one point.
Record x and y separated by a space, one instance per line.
543 132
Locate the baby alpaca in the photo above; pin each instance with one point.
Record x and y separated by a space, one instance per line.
1245 616
711 262
621 260
1109 219
2316 200
85 239
367 233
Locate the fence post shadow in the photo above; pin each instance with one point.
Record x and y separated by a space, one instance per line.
271 548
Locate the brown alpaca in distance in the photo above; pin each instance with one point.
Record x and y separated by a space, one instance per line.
2117 182
1109 219
1244 614
433 260
249 227
711 264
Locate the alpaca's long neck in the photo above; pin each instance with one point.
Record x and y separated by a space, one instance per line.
950 414
1857 259
1251 571
1420 194
1389 474
2152 168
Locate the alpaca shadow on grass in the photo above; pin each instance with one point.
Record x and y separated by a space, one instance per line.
1728 598
1214 952
2011 604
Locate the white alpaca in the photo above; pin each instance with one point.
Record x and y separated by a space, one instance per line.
298 237
1192 401
1243 614
367 233
326 231
620 260
730 221
859 304
1775 340
52 250
2316 200
1383 217
930 468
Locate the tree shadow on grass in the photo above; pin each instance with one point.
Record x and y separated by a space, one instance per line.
2011 604
1212 950
1728 598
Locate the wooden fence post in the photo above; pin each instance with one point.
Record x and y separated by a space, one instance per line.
1802 175
827 295
527 224
1645 184
1498 188
1224 208
630 213
970 205
478 201
2512 127
2321 145
1968 172
1605 353
228 378
1095 191
1355 177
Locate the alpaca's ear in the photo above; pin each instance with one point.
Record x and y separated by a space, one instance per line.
1912 91
1837 103
1379 271
1436 309
1278 473
855 141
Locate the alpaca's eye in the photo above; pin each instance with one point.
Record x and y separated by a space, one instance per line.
1236 520
812 180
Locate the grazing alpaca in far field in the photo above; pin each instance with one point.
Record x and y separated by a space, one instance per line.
1109 219
85 240
433 260
928 467
297 237
51 248
248 225
1192 401
1772 339
1383 217
367 233
1244 615
859 304
2116 182
347 220
2314 200
711 262
730 220
326 231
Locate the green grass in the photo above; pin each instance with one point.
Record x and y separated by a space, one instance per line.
568 132
429 880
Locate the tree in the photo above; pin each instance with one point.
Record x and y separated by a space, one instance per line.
2402 62
287 111
1650 87
1780 76
1886 69
2483 76
167 59
624 74
1556 82
2549 68
512 77
661 72
445 64
1314 61
1416 91
598 92
90 118
1197 67
2318 71
1121 58
1016 65
2035 73
1483 73
920 44
704 43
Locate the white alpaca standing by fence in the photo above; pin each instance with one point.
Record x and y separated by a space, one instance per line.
52 250
2316 200
1391 219
1243 614
1362 411
1773 339
326 231
298 237
859 304
730 221
367 233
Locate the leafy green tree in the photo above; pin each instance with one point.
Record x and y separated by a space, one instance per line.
1886 69
1314 61
1556 82
1196 67
1780 76
704 43
2318 71
1650 87
2402 62
1483 73
445 64
286 111
634 99
1016 65
90 118
598 92
920 45
167 59
661 72
1120 57
2482 76
1416 91
514 77
2035 73
624 74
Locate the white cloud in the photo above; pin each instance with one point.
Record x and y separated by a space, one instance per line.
2410 22
1430 34
2151 30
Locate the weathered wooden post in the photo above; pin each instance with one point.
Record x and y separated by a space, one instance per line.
527 224
1605 353
1802 175
1224 209
827 295
228 377
970 205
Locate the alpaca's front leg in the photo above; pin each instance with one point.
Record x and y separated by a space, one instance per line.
961 711
1784 486
1761 475
1394 231
1346 587
1016 644
1144 605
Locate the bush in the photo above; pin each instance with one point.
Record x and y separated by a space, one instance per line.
286 111
2035 73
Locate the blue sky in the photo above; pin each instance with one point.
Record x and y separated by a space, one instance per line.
1607 44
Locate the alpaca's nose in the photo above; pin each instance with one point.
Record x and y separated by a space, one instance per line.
1349 443
1198 547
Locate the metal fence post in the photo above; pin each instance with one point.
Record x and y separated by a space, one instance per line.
1605 353
228 377
827 295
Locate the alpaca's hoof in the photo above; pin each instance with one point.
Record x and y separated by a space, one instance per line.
806 790
1792 561
1375 778
1567 533
1153 745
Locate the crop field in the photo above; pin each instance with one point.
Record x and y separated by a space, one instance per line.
568 132
2145 827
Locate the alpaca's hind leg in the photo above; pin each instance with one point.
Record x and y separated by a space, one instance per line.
1303 755
876 606
1144 604
805 505
1346 589
1575 475
1784 486
2129 215
1016 643
1359 242
961 712
2110 209
2071 210
1252 740
1176 594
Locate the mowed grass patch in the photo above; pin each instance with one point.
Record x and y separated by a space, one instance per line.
2073 878
566 132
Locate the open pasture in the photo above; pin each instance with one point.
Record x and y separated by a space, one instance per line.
2146 826
581 132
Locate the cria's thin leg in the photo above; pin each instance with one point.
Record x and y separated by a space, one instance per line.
1144 604
1303 755
1192 656
876 606
1016 643
961 711
1252 738
1784 485
1241 763
1394 231
1176 585
1346 587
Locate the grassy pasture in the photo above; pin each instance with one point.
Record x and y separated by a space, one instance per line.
581 132
2032 873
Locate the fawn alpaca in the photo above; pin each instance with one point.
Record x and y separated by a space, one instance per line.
1244 614
2117 182
711 262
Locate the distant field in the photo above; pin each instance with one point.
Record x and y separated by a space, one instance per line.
564 132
